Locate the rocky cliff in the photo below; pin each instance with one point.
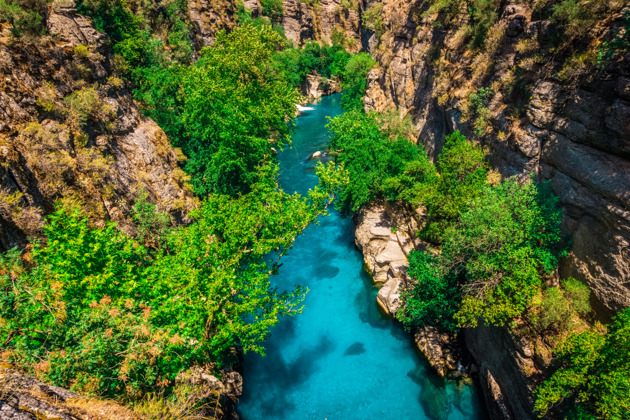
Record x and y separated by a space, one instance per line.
563 119
71 132
323 20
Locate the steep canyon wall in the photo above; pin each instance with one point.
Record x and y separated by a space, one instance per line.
566 123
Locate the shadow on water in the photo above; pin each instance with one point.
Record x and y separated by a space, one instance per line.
355 349
365 305
279 375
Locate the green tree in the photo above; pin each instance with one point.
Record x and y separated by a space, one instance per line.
502 245
377 167
463 174
226 110
434 296
93 310
591 380
272 8
354 81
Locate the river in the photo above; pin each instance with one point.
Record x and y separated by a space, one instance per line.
340 359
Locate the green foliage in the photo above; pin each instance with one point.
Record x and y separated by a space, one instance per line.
224 110
463 174
142 35
559 306
354 81
296 63
576 18
591 380
617 46
483 14
377 167
272 8
374 19
503 243
492 262
24 15
93 310
479 105
152 225
433 298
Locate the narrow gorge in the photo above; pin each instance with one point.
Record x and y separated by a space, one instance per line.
305 209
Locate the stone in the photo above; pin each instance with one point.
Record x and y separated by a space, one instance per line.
440 350
24 397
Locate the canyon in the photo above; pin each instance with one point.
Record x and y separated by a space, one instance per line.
568 125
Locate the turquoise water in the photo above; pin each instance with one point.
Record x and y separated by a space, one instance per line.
340 358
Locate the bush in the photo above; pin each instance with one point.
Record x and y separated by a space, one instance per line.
86 106
373 19
433 298
502 244
591 379
24 15
559 306
463 174
479 105
272 8
354 80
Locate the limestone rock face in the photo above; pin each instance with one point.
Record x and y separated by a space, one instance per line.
210 16
70 131
303 23
24 397
314 87
509 370
575 133
440 349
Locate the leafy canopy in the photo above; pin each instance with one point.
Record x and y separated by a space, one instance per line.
225 110
94 310
591 381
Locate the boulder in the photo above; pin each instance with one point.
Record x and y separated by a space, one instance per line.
440 349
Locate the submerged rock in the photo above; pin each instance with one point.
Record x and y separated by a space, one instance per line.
315 155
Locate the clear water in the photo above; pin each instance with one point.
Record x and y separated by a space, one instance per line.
340 358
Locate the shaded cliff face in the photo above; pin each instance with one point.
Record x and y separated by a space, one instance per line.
562 120
323 20
69 131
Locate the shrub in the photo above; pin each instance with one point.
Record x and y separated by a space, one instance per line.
272 8
463 174
591 377
479 105
152 225
95 311
373 19
503 244
559 306
577 17
354 80
86 105
24 15
434 296
377 167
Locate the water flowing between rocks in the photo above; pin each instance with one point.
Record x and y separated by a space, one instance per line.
340 359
